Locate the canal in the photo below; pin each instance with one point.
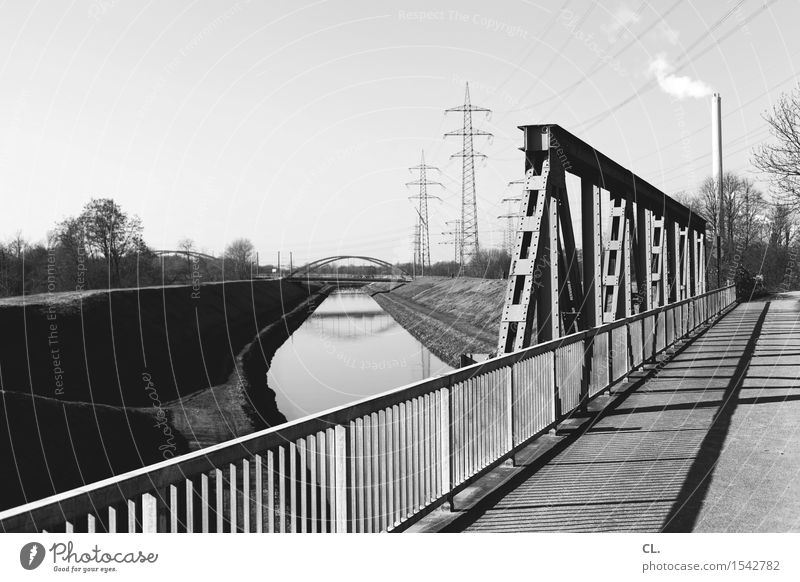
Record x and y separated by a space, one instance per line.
348 349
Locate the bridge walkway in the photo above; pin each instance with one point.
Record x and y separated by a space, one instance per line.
710 443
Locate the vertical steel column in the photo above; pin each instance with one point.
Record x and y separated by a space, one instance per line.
701 263
648 253
591 248
673 254
656 267
612 263
547 315
642 257
686 282
626 260
692 270
555 302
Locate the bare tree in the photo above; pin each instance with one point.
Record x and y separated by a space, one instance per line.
240 253
108 233
742 208
752 214
781 160
187 246
17 245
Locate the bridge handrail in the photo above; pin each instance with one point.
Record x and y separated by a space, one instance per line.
374 464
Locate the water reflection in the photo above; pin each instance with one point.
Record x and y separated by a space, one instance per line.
348 349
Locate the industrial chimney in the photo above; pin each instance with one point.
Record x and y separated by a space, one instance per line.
716 172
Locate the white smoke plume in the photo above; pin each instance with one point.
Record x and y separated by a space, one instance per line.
679 87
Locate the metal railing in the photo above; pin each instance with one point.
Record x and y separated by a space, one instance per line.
374 464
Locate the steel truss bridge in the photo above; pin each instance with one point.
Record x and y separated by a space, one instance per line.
654 251
632 318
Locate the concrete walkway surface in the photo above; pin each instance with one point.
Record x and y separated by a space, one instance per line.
711 443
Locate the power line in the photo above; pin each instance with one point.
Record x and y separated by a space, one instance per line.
727 153
558 53
546 30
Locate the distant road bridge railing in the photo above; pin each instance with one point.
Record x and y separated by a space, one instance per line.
184 253
377 464
314 271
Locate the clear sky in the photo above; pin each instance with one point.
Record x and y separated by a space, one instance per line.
293 122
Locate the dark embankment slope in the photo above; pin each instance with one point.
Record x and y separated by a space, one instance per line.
244 402
450 316
48 446
100 344
137 374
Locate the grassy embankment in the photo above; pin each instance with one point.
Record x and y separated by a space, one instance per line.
450 316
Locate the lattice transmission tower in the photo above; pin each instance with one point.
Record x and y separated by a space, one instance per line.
455 240
422 241
511 217
415 259
469 208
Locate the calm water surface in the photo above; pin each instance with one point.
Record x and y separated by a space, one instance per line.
348 349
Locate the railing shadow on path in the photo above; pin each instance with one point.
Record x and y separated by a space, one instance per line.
644 479
683 515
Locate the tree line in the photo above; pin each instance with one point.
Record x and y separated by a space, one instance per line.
760 242
103 248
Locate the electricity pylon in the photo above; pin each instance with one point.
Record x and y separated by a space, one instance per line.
512 217
469 208
422 242
416 250
456 241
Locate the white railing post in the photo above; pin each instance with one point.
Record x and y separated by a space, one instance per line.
555 406
509 432
340 478
149 513
444 439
